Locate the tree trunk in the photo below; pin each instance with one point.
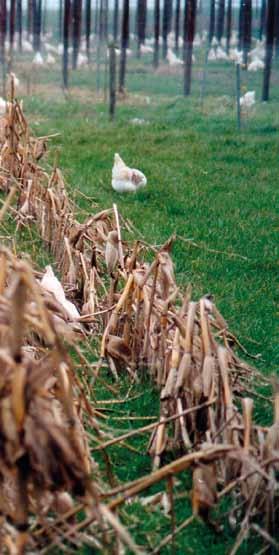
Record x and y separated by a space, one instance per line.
124 45
96 19
240 25
44 26
177 25
262 20
37 25
12 26
276 30
3 31
271 4
247 27
112 81
66 33
220 20
30 16
211 22
88 27
60 21
189 33
115 20
77 17
156 33
141 23
19 23
229 25
167 13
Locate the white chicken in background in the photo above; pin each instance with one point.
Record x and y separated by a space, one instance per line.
51 48
236 55
248 99
145 49
38 59
173 59
125 179
26 46
211 55
50 60
82 60
221 54
255 65
50 283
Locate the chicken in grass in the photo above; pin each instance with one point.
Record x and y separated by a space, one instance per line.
125 179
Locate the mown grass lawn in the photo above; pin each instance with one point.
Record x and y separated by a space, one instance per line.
208 184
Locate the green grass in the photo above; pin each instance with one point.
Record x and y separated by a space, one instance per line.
207 183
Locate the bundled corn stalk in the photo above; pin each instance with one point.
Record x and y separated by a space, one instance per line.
46 472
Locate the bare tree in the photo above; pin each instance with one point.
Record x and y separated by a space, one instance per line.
156 33
124 44
188 39
240 25
60 21
271 4
112 81
12 30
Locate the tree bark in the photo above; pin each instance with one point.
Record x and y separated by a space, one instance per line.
124 45
211 22
177 26
271 4
60 21
229 25
3 32
220 20
30 16
276 30
189 33
156 33
66 33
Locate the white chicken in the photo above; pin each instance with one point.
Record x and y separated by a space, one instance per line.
211 55
248 99
145 49
51 284
221 54
125 179
38 59
255 65
173 59
50 60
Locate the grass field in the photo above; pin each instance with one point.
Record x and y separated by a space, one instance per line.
210 185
